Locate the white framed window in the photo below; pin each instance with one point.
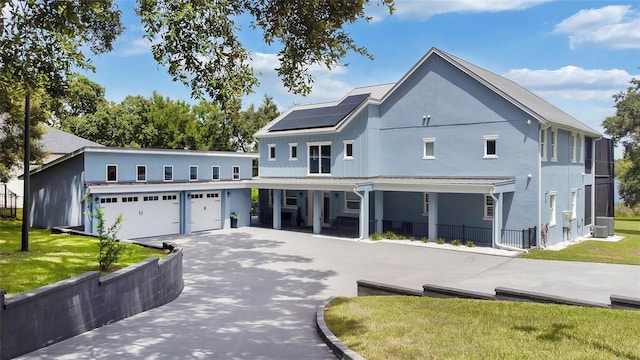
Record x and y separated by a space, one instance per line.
193 173
581 151
112 173
574 203
552 208
215 172
141 173
168 173
425 204
290 199
554 144
574 147
236 172
351 202
271 152
429 148
348 149
293 151
488 207
543 144
319 158
490 146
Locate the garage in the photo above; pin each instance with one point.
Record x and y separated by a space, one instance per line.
143 215
206 210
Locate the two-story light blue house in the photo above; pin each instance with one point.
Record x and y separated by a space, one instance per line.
157 192
450 151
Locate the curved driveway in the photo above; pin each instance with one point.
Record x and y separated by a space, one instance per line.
251 293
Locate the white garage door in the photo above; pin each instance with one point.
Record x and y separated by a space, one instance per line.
206 210
143 214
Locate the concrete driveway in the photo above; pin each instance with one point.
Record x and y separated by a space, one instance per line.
251 293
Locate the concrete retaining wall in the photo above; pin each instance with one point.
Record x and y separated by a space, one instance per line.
368 288
55 312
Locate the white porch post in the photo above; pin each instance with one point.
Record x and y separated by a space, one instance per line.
317 211
497 218
378 209
277 209
364 216
433 216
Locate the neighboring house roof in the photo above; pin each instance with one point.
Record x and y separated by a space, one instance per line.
522 98
57 141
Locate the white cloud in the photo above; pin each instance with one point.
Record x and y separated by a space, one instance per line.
573 83
424 9
134 47
614 26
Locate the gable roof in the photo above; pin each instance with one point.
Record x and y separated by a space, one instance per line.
538 108
59 142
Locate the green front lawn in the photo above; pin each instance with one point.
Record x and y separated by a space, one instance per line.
397 327
625 251
52 257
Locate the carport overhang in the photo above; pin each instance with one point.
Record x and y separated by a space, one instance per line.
165 187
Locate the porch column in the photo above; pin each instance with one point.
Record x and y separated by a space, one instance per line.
433 216
364 216
378 209
317 211
277 209
497 219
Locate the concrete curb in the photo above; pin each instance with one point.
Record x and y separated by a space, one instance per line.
337 347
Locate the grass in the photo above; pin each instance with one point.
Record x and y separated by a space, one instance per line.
626 251
52 257
401 327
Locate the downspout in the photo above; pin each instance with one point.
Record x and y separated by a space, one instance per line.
497 236
539 226
355 191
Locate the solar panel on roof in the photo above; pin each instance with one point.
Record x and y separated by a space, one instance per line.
319 117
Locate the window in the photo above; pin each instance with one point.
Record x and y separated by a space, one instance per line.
108 200
588 147
129 199
215 173
112 173
290 199
169 197
236 172
543 144
581 148
488 207
293 151
168 173
429 151
141 173
552 208
574 147
554 145
150 198
348 149
490 151
319 158
193 173
574 203
272 152
425 208
351 202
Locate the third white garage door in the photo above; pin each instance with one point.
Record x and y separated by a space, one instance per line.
206 210
143 214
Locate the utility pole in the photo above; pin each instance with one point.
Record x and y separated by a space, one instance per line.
26 176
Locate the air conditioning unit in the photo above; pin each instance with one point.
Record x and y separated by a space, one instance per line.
600 231
606 221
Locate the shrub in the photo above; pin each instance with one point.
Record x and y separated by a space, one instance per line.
425 239
376 236
440 241
413 238
470 243
110 249
455 242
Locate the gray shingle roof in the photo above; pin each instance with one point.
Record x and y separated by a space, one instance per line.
59 142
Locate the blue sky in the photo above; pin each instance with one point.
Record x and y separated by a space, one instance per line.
575 54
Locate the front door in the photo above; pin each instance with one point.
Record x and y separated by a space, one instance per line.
325 209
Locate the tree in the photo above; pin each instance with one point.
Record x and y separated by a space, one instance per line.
250 121
624 128
198 40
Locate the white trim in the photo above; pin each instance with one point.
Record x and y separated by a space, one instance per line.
553 208
554 144
271 156
425 204
212 178
319 144
574 203
543 144
105 149
582 148
291 146
347 142
485 140
574 147
145 173
106 177
346 201
197 175
164 178
426 141
284 199
233 172
485 215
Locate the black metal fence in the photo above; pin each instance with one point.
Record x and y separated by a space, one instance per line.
478 235
406 228
8 203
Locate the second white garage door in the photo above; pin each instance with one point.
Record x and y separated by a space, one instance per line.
206 210
143 214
